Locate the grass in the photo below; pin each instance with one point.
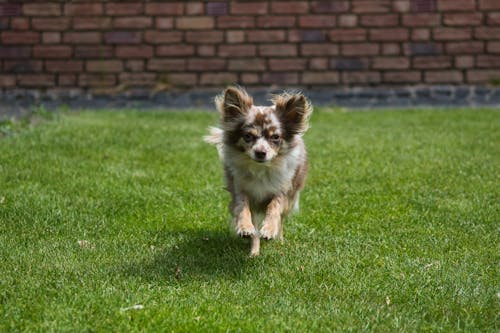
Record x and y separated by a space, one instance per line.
398 230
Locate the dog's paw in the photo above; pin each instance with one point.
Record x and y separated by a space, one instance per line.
269 231
245 230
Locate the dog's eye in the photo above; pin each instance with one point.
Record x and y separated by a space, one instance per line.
248 137
275 137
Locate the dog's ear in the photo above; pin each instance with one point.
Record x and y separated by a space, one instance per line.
233 103
294 111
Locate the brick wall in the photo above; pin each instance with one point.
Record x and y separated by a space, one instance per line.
113 46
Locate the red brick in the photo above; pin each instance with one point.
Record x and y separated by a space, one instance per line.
194 8
489 4
467 19
206 50
50 24
401 77
322 77
421 34
55 51
167 65
360 49
174 50
275 21
134 65
347 35
100 52
36 80
96 80
237 50
91 23
225 22
458 5
63 66
28 37
493 18
247 8
448 76
250 65
14 52
82 9
164 8
164 23
10 9
119 9
104 66
290 7
138 51
488 61
137 79
379 20
279 65
122 37
360 77
487 33
322 7
51 37
390 63
181 80
464 61
235 36
421 19
266 36
482 76
249 78
22 66
7 80
348 21
278 50
431 62
161 37
204 37
452 33
82 37
195 22
218 79
493 47
206 64
320 49
66 80
317 21
42 9
370 6
395 34
281 78
401 6
318 63
472 47
391 49
18 23
133 22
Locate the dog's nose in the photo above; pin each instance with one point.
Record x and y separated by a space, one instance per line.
260 155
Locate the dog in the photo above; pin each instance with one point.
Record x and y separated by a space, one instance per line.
264 159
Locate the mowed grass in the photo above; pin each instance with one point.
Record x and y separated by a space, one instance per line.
398 228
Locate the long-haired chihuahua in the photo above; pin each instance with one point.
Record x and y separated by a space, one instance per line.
264 158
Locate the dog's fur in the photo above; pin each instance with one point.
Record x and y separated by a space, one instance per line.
264 159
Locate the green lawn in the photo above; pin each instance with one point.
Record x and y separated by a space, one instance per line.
398 229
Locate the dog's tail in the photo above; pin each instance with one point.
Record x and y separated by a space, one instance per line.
215 138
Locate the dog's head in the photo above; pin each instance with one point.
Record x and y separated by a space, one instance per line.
262 132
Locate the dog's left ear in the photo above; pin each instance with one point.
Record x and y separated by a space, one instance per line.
294 111
233 103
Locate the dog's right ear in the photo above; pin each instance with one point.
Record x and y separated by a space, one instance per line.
233 103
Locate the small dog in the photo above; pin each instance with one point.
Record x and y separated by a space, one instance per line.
264 157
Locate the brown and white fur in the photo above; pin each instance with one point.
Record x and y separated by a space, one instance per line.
264 159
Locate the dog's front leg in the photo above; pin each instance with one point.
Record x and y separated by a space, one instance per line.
243 217
272 227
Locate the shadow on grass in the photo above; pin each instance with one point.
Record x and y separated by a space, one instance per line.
194 255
